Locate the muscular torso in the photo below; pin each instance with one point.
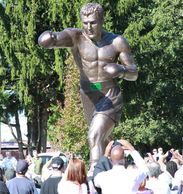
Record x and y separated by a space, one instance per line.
91 58
97 61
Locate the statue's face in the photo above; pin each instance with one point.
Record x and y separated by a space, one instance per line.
92 27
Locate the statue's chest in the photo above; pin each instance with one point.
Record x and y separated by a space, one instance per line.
91 52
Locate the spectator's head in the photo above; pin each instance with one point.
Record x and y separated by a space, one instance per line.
154 169
169 157
171 167
8 154
117 155
160 150
22 167
57 163
28 158
34 153
154 151
9 174
76 171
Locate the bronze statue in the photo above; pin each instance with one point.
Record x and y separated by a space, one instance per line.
96 53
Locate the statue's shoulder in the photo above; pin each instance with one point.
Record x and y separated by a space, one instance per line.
113 37
119 38
118 41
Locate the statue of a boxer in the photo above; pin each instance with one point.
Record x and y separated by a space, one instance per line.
101 57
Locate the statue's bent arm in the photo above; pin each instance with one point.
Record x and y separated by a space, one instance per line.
130 71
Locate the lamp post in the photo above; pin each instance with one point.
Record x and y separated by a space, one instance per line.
182 146
0 135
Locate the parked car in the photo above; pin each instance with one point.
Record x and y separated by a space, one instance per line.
46 156
47 170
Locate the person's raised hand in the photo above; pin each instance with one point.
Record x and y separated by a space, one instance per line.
108 149
126 145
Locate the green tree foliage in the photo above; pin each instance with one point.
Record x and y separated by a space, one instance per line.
34 75
70 129
153 116
10 107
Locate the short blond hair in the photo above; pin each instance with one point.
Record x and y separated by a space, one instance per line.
92 8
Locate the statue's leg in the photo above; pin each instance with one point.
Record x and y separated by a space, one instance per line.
99 131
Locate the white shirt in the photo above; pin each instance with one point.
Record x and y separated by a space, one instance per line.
158 186
166 177
9 163
68 187
121 180
179 175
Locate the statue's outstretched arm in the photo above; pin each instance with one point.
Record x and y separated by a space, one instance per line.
63 39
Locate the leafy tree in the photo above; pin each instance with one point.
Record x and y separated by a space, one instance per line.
152 116
70 129
31 73
10 108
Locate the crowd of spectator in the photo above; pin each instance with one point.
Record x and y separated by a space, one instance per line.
121 170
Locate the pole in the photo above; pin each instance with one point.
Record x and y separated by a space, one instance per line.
0 135
182 147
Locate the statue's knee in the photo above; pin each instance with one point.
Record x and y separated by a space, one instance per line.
91 139
94 139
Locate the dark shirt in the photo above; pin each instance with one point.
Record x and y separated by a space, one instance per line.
50 185
104 164
3 188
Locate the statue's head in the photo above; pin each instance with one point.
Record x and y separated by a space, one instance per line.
92 16
92 9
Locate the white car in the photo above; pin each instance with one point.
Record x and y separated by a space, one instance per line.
47 170
46 156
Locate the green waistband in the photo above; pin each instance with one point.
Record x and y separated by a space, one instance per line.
95 86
